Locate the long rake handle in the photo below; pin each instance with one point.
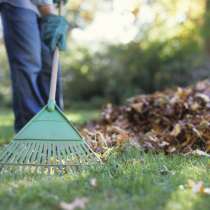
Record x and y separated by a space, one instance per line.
54 73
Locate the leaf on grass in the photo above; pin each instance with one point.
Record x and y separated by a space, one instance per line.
78 203
198 187
199 153
93 182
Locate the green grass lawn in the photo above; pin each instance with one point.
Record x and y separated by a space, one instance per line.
129 179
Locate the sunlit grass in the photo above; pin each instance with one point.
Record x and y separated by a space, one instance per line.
82 116
6 118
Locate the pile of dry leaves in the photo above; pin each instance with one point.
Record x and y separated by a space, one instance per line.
173 121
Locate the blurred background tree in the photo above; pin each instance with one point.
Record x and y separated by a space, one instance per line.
120 48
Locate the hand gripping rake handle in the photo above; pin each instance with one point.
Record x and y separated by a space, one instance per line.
54 74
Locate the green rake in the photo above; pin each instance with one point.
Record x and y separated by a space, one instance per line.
49 142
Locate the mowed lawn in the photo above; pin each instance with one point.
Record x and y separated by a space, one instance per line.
129 179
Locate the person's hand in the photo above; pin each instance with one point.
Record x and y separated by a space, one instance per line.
57 2
54 30
47 9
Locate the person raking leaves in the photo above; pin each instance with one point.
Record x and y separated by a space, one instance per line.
32 31
48 143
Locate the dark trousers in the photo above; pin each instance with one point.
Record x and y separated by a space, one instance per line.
30 63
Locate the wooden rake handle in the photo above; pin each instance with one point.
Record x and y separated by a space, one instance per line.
54 73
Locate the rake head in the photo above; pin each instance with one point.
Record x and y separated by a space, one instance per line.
47 157
48 143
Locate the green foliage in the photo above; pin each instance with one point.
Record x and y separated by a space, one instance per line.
168 51
5 94
125 70
121 71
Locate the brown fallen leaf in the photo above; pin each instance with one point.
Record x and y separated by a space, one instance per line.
204 97
198 187
78 203
177 130
138 107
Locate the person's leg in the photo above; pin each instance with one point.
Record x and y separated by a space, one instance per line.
29 72
22 40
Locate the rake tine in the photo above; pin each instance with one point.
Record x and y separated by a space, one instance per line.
64 153
46 154
78 152
30 152
9 151
34 153
60 170
17 154
91 153
59 155
39 154
54 157
87 151
75 153
83 153
44 158
8 148
71 154
24 154
1 168
72 170
60 159
48 157
68 153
